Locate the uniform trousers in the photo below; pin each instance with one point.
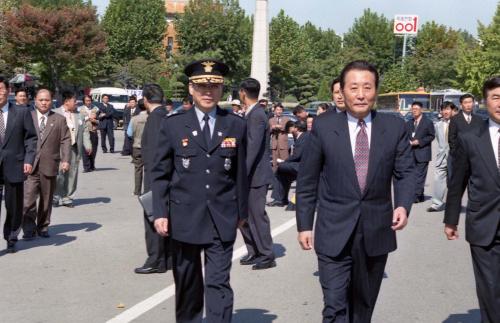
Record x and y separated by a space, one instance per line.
111 137
13 204
38 187
421 175
89 160
138 170
190 288
283 179
350 282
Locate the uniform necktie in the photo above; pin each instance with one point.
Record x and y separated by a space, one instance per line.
206 129
2 127
361 155
42 126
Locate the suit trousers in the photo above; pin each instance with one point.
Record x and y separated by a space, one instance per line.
190 289
283 179
89 160
350 282
486 263
421 175
111 138
440 185
66 182
138 170
256 231
38 187
279 153
127 143
13 205
157 247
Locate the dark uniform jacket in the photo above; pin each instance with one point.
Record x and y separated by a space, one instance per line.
298 151
149 142
19 144
341 204
425 134
458 124
106 121
195 186
475 167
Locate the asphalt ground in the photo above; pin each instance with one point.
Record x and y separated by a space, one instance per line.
84 271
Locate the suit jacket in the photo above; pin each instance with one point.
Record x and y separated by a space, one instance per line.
443 148
54 147
458 124
475 167
19 144
341 203
149 142
127 115
425 135
258 164
279 138
196 186
82 135
106 115
298 149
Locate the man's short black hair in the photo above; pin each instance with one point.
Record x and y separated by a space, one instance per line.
418 103
261 101
141 105
490 84
358 66
279 105
21 89
188 99
298 109
466 96
104 95
301 126
251 87
5 81
288 125
68 95
334 81
133 97
169 102
448 104
153 92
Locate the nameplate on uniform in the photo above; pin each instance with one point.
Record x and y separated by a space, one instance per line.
228 143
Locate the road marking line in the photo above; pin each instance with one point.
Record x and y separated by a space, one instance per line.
165 294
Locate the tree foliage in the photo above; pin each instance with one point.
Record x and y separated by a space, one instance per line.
64 42
398 78
135 29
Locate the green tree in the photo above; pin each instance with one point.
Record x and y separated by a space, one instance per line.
324 92
135 29
56 3
220 26
482 61
398 78
370 38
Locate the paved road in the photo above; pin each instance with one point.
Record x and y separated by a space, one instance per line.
85 270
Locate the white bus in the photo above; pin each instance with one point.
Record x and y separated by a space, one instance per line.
117 97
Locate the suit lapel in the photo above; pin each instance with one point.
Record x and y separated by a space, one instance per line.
11 120
34 116
220 129
376 150
195 130
483 144
345 149
49 125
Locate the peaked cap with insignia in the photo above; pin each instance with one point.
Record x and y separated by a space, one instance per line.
206 71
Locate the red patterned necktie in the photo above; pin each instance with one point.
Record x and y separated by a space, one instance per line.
361 155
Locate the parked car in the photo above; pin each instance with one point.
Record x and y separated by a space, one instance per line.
483 113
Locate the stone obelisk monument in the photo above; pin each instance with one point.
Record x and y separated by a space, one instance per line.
260 48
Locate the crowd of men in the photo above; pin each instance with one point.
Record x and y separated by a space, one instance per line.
208 171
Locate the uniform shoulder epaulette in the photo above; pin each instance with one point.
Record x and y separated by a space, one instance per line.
235 114
177 113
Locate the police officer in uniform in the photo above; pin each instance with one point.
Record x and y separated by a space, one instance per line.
200 192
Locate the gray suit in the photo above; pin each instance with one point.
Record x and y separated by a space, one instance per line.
67 182
441 165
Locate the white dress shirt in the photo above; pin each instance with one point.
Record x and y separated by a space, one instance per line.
250 108
468 117
354 129
39 117
5 111
494 134
211 121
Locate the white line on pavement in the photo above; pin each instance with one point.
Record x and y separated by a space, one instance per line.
163 295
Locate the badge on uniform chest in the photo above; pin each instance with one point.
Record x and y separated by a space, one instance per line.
186 162
228 143
227 164
185 142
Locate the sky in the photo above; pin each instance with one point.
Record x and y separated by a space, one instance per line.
339 15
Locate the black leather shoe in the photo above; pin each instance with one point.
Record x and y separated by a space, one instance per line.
290 207
419 199
275 203
104 151
112 151
431 209
11 247
264 265
70 205
44 234
28 236
149 270
248 260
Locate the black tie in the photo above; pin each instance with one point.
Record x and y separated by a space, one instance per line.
206 130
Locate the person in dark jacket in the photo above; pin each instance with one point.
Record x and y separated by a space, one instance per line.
106 124
128 112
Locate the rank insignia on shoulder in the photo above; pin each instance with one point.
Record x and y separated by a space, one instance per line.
228 143
185 142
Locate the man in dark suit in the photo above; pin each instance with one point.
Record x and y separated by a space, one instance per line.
106 124
257 230
338 104
422 134
52 153
464 121
349 166
288 169
157 247
200 191
476 165
17 153
128 112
